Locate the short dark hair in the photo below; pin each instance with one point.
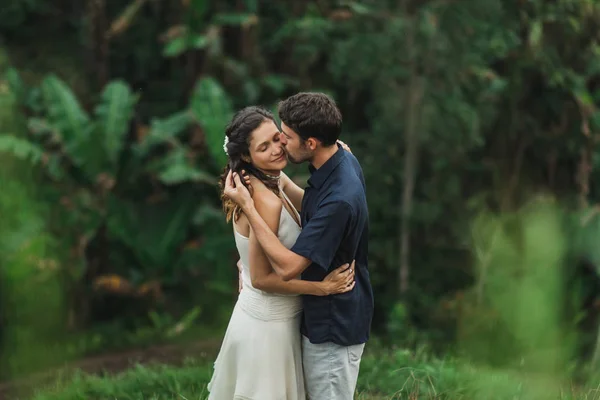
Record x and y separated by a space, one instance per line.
312 114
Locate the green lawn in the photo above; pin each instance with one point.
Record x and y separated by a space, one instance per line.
391 374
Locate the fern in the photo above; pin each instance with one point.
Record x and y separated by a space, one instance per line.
212 108
112 118
21 148
164 131
66 116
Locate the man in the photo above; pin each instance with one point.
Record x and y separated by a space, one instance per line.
335 231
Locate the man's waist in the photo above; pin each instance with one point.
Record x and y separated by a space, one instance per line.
323 333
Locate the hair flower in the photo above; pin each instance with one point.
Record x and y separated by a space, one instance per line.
225 145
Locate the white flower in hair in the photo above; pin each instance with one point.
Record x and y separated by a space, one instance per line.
225 145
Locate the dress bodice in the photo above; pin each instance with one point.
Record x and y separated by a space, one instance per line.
288 232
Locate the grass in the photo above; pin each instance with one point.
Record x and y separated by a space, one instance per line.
389 375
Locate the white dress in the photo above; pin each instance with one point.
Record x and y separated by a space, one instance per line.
261 357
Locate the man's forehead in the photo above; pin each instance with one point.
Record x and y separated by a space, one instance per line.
285 130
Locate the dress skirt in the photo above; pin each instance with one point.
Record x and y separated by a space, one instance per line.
261 356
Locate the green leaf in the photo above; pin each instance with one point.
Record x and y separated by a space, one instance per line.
179 173
252 6
207 213
176 46
535 34
113 116
278 83
38 126
154 232
234 19
16 85
199 42
164 130
212 109
584 96
200 8
359 9
175 169
66 116
184 323
21 148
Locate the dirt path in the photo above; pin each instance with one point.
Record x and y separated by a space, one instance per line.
114 363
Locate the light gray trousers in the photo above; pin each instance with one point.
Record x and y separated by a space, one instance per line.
330 370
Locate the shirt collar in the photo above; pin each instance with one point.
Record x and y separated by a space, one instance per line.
319 176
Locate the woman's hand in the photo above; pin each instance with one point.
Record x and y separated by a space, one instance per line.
237 192
246 178
340 280
345 146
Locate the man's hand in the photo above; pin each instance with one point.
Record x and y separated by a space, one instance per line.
239 265
237 192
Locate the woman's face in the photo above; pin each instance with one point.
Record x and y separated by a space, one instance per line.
266 150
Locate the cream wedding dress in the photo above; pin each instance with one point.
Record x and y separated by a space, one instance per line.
261 357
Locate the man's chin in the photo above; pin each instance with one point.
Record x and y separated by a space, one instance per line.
295 160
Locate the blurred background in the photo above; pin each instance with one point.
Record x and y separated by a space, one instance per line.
476 124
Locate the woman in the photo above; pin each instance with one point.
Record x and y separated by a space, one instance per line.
260 358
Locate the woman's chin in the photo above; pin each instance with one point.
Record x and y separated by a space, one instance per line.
280 164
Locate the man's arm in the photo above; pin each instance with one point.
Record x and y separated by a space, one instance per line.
285 262
264 277
318 242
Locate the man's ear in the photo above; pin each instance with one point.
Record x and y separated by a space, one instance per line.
312 143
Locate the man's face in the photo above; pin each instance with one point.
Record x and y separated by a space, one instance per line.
295 148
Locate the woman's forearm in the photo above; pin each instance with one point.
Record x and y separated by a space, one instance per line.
272 283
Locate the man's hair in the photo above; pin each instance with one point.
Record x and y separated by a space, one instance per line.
312 115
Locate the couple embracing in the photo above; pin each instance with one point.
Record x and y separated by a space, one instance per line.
304 312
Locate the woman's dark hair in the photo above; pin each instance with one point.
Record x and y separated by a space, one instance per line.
239 133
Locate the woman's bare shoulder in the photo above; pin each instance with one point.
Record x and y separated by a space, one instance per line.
265 201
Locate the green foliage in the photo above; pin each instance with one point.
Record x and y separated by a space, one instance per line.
100 179
21 148
153 232
385 375
113 116
211 107
32 298
521 261
494 101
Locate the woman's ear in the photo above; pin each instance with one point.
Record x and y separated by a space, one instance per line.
247 159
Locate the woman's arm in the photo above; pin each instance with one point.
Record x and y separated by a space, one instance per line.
261 273
294 192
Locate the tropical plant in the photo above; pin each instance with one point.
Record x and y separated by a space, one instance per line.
128 193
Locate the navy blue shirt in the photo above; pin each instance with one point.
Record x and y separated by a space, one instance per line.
335 226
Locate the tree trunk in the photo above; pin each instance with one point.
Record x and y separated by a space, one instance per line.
411 142
583 175
596 357
98 42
